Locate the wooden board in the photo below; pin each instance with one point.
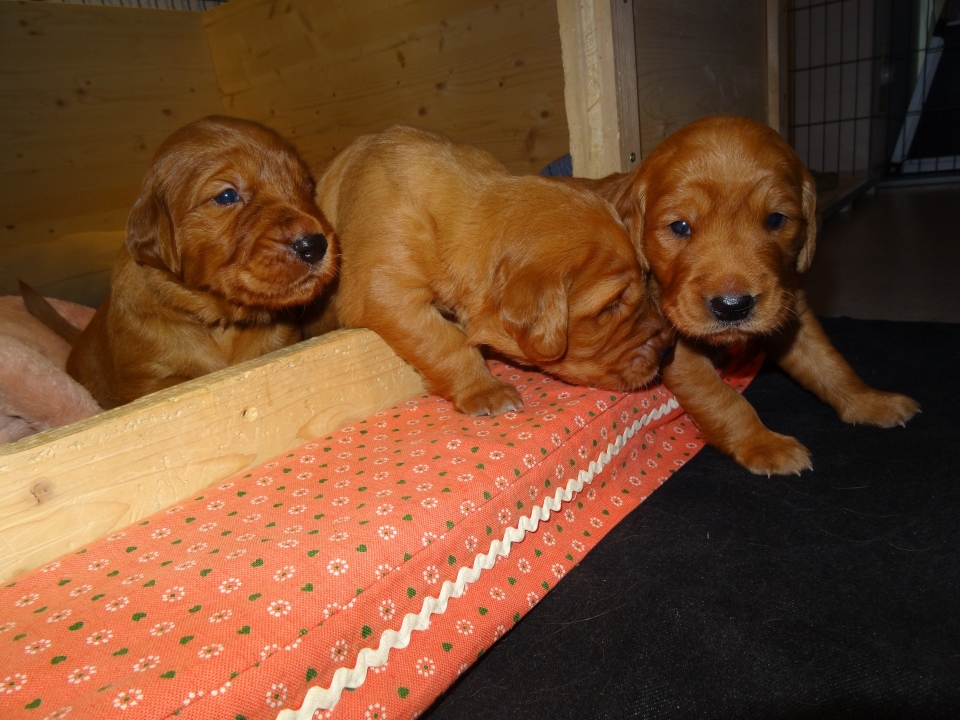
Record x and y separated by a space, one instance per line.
778 60
89 92
69 486
322 72
637 71
601 85
697 58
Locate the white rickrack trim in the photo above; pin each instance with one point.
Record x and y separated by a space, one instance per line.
318 698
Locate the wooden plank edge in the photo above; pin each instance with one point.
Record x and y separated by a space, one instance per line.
777 66
72 485
600 93
625 72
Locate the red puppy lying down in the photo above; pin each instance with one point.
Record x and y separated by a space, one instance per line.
443 251
725 213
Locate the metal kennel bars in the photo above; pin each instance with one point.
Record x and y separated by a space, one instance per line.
875 87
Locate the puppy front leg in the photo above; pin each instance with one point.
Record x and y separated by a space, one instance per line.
727 419
439 350
810 358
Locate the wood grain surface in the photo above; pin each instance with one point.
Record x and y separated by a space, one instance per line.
321 73
697 58
69 486
601 85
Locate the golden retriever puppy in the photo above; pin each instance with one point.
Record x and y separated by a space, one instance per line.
443 251
725 213
223 239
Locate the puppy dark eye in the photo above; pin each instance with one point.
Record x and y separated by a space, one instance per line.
776 221
680 228
227 197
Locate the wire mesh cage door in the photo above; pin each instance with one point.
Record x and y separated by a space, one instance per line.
875 87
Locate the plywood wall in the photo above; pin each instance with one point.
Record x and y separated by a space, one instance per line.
697 58
322 72
88 93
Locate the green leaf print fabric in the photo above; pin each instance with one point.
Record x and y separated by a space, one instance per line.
237 602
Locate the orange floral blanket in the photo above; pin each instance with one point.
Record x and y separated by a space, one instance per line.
354 577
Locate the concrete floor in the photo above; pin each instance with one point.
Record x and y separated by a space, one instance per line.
895 255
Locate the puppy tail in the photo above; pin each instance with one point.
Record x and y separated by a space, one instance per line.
46 313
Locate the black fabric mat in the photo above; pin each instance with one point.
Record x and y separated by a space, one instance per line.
726 595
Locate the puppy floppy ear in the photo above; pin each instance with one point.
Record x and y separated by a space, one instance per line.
534 312
151 239
627 193
809 201
631 209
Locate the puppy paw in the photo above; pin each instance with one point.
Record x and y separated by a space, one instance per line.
491 399
883 409
773 454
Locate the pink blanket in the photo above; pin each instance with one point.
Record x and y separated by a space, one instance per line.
36 393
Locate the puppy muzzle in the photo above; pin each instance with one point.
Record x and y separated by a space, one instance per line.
310 248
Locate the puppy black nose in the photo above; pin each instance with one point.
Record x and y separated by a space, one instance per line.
311 248
729 308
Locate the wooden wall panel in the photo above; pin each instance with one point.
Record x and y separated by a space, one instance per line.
71 266
88 93
322 72
697 58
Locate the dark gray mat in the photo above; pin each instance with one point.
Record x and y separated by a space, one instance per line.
726 595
